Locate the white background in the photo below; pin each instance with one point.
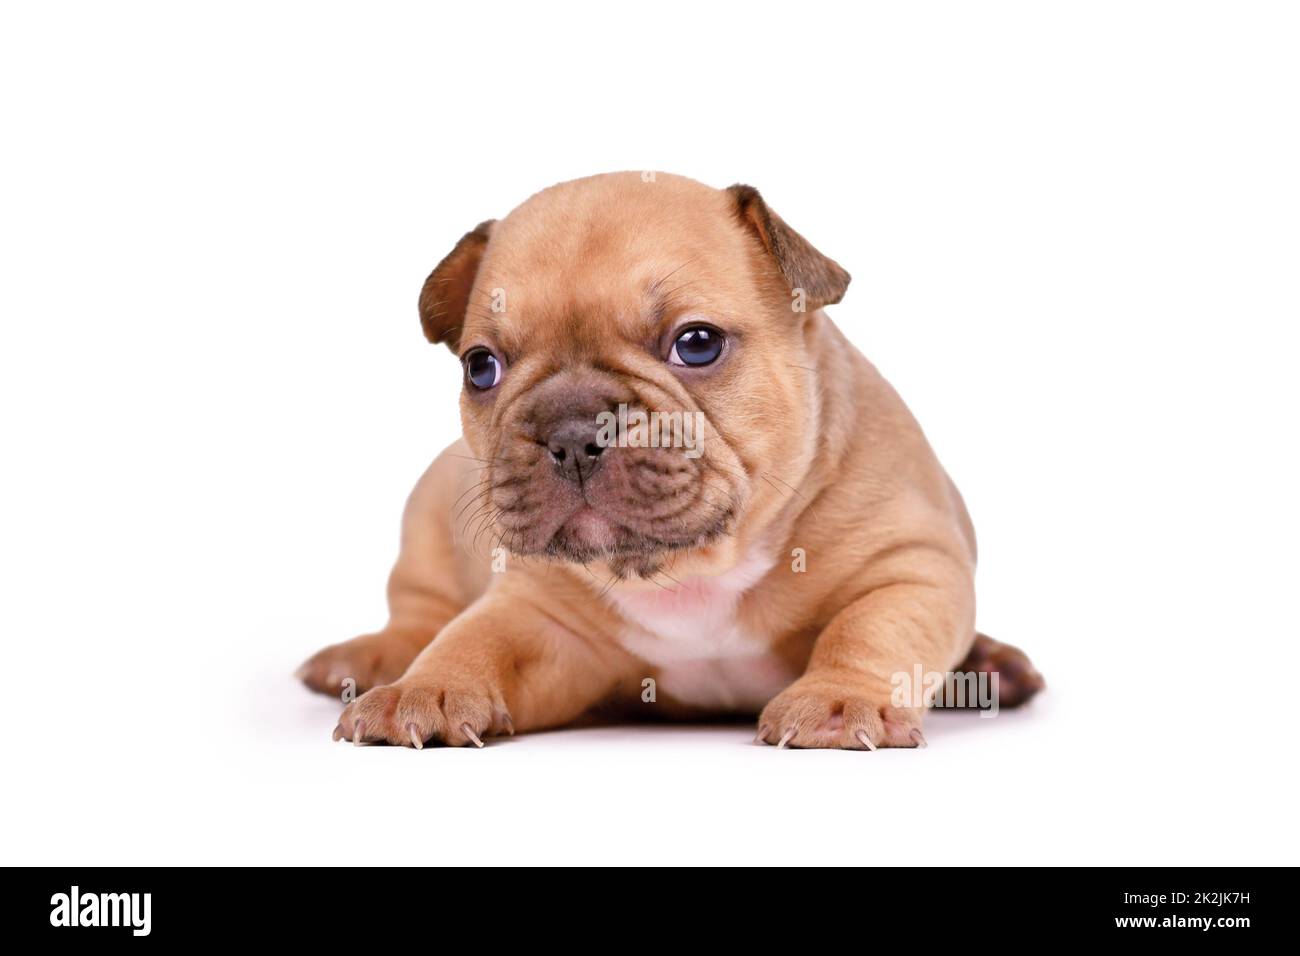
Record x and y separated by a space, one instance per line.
1074 233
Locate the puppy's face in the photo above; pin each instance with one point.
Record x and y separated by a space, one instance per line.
636 380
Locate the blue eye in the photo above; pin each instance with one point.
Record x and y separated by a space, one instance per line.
482 369
696 346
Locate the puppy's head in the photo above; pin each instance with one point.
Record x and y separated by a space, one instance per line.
636 372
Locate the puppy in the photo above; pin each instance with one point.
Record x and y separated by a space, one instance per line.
681 493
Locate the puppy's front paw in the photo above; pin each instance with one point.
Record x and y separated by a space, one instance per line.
416 710
838 710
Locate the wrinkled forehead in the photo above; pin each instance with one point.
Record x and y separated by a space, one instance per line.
587 264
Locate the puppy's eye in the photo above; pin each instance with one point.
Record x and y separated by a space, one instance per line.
482 369
696 346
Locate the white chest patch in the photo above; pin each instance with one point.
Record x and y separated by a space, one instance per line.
692 636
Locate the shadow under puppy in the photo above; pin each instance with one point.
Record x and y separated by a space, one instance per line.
789 550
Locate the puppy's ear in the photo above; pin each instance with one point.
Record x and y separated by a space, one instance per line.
822 280
445 295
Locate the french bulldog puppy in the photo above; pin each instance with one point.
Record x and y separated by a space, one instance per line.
681 492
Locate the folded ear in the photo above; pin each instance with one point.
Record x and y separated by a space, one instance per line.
822 281
445 295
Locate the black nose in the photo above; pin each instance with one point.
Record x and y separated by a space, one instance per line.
573 448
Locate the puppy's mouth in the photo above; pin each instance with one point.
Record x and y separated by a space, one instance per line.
633 513
587 536
584 532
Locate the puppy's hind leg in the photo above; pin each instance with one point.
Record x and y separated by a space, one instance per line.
366 661
1018 679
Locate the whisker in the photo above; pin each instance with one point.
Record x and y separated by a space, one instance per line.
613 578
477 484
670 577
472 458
655 286
485 523
802 497
478 499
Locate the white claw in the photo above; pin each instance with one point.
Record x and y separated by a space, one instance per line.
785 739
918 738
416 742
471 735
338 732
761 736
358 733
866 741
